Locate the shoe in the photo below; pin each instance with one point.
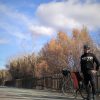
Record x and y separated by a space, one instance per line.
88 98
94 97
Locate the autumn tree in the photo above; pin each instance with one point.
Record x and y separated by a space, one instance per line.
60 52
22 67
56 52
4 76
41 68
64 51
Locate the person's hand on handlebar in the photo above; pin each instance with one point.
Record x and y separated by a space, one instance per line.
81 74
94 72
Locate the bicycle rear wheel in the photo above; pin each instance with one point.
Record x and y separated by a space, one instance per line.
68 88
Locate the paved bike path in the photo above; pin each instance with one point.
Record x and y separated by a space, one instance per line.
31 94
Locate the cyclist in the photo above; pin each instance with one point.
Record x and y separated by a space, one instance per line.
87 68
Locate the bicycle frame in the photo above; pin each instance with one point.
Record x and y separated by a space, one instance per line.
71 83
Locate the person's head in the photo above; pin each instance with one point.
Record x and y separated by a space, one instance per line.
86 48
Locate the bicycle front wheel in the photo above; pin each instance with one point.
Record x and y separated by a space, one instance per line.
68 88
83 91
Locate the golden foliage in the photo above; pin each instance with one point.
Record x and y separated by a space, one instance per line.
54 56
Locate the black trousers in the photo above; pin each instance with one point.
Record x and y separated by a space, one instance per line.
90 77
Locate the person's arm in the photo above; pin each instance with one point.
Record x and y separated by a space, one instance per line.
97 62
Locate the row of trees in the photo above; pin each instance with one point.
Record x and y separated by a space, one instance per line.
64 51
4 75
61 52
22 66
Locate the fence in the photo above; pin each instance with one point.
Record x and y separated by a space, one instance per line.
48 82
21 83
51 82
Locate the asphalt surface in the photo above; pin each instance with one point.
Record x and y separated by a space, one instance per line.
31 94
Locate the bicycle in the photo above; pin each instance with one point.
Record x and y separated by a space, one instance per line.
73 85
67 86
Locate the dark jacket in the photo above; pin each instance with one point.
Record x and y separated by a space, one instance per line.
87 62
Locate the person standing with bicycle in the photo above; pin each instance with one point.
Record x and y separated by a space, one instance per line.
87 68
